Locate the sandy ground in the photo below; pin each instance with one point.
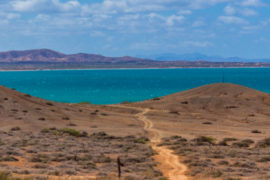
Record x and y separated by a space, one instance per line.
169 163
217 110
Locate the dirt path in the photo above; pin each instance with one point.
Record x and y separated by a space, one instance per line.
169 163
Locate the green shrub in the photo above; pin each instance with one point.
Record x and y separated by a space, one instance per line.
8 159
45 130
163 178
243 143
5 176
217 173
72 132
264 143
264 159
1 143
69 131
141 140
205 140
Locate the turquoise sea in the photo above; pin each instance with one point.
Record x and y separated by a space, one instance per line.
116 86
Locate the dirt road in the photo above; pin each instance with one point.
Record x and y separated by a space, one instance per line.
169 163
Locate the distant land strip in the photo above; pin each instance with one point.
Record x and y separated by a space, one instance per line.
42 59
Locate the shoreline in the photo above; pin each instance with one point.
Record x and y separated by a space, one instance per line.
153 68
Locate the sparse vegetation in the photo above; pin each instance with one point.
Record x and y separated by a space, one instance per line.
27 95
141 140
69 131
184 102
42 119
205 140
207 123
174 112
256 131
15 129
224 160
66 118
49 104
5 176
264 143
56 152
243 143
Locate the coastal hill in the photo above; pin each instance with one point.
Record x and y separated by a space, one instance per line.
222 104
203 133
49 59
34 114
47 55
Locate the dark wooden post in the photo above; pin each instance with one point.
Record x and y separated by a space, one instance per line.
119 164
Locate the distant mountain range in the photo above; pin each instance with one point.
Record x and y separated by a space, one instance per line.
49 59
201 57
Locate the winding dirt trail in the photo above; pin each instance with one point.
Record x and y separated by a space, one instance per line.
169 162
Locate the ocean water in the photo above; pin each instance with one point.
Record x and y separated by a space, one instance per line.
116 86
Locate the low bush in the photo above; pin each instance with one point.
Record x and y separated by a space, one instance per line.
141 140
202 140
243 143
5 176
8 159
72 132
264 159
256 131
49 104
207 123
15 129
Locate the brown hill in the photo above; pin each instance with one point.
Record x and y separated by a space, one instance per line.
212 113
231 109
218 98
47 55
34 114
49 59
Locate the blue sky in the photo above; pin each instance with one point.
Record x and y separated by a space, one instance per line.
138 27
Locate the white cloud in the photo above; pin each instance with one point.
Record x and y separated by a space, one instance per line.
229 10
248 12
44 5
67 6
171 20
252 3
125 16
232 20
28 5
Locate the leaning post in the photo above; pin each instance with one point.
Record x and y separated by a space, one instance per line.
119 165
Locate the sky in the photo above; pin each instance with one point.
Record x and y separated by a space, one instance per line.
138 27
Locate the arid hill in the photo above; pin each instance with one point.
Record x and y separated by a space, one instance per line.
49 59
47 55
232 109
18 109
217 131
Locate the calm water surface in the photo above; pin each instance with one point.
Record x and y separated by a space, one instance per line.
115 86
